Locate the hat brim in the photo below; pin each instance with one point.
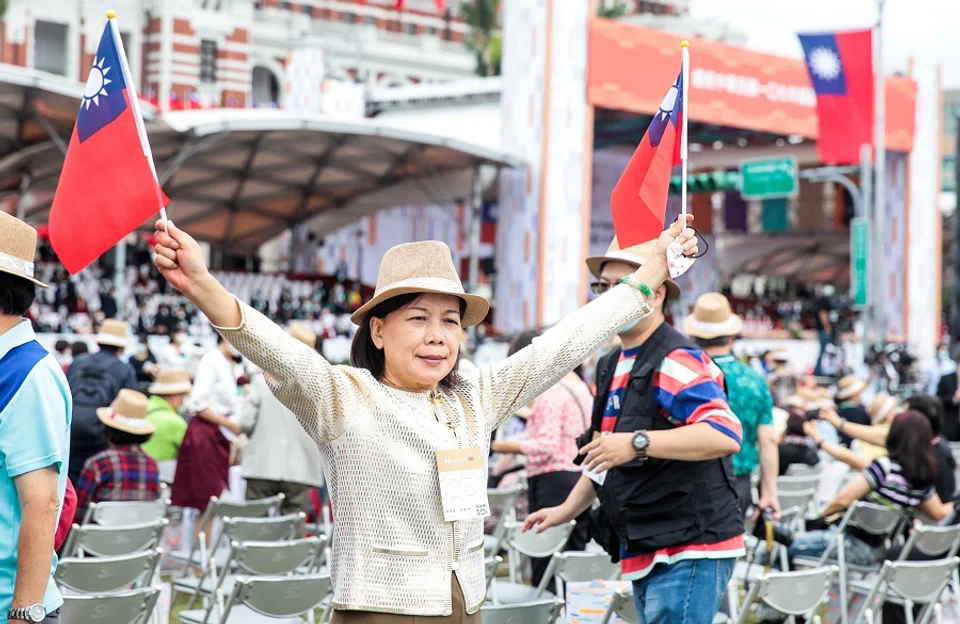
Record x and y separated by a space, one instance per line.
595 266
698 329
22 276
169 389
103 414
476 309
112 341
856 388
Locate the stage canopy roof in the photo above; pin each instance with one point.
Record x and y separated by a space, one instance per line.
808 257
239 177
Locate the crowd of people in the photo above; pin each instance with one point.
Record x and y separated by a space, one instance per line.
643 435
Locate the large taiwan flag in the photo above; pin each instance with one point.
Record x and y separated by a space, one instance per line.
107 186
841 71
639 201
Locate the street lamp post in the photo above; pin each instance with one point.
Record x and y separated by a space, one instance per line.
880 186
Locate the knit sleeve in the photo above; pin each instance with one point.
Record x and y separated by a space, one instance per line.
297 375
515 381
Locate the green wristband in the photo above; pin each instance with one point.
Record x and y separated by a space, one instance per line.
634 283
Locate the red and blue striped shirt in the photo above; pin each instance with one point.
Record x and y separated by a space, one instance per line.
688 388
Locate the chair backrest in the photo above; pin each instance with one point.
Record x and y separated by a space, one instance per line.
124 514
258 508
581 567
168 468
276 558
874 519
800 483
132 607
113 541
919 581
504 498
800 499
539 612
934 541
490 566
792 593
274 529
533 544
279 597
99 575
796 470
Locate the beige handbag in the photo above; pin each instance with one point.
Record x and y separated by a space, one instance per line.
237 446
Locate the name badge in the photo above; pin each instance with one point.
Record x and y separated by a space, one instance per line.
463 484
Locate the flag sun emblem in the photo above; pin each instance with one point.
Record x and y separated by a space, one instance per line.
824 63
96 84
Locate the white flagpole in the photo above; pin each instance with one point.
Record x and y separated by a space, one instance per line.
134 102
684 89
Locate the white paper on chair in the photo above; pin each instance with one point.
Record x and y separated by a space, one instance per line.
588 602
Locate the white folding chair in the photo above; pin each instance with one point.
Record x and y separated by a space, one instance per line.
911 582
804 499
114 513
799 483
622 606
113 541
283 599
132 607
102 575
791 593
538 612
505 500
527 544
168 469
577 567
797 470
490 567
219 509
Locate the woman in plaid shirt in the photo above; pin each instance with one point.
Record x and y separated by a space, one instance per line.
123 472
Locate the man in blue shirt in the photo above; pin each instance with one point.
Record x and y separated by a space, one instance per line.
35 411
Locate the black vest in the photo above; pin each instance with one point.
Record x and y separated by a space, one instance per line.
659 503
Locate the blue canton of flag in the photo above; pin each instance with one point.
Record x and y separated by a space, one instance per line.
103 96
670 110
823 62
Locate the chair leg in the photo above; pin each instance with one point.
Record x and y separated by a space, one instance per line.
733 589
841 559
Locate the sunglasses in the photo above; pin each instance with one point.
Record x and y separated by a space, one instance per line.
598 288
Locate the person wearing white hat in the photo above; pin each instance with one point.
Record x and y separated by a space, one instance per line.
849 404
95 379
403 436
35 417
714 327
122 472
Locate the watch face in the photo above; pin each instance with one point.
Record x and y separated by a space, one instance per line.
36 613
640 440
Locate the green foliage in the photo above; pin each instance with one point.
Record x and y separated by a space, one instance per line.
615 12
485 38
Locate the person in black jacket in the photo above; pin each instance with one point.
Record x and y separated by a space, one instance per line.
795 447
849 406
658 453
95 380
948 392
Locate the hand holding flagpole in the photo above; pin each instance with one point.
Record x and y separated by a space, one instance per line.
135 103
685 86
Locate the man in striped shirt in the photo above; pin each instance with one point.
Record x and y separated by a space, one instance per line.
663 436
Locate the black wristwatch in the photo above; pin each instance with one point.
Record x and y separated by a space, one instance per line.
641 441
34 613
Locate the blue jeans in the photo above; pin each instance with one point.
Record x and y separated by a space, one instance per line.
824 339
814 543
686 592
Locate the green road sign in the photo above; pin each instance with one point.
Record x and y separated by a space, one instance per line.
859 255
769 178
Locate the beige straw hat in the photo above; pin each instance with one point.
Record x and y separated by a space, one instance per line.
170 381
127 413
635 256
113 333
712 318
425 267
18 247
882 407
849 386
304 334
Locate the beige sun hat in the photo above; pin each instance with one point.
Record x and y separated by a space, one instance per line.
18 247
882 407
780 355
635 256
425 267
114 333
170 381
849 386
127 413
304 334
712 318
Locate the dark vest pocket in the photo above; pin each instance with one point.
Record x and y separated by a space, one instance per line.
661 523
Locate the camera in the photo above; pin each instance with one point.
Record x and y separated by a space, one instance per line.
811 414
781 534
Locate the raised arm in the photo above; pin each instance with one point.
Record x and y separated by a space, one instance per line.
874 434
837 451
298 376
518 379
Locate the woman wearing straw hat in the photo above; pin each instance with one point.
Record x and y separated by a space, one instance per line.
122 472
402 434
168 392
